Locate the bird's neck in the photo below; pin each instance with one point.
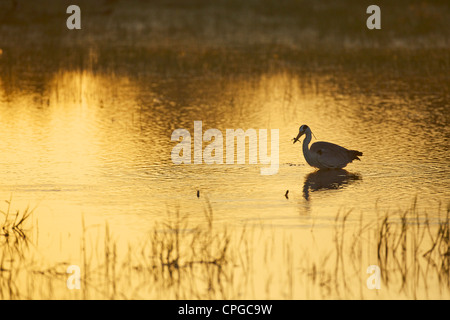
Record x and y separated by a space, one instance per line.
306 142
306 147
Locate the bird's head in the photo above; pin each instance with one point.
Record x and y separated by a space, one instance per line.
303 129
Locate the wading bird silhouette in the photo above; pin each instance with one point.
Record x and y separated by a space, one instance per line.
325 155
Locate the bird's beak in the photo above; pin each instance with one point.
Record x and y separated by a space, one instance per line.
298 137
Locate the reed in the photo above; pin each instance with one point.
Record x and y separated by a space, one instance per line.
183 258
13 222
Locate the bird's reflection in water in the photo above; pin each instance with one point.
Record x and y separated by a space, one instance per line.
327 180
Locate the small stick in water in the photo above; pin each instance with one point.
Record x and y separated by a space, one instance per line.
286 194
198 193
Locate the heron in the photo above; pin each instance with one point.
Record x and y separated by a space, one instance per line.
325 155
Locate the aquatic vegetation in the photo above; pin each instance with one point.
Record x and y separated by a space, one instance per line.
179 259
12 223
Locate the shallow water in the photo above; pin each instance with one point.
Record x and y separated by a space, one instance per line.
106 148
85 129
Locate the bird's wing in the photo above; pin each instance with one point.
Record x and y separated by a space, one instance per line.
330 155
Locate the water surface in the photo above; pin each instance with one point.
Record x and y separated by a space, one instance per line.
86 118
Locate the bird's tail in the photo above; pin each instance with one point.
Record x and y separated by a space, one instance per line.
354 154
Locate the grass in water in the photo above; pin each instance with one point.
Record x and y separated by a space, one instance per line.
179 259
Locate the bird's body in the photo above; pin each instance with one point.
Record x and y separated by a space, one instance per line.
325 155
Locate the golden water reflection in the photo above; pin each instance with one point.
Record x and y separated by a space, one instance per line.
96 147
86 118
